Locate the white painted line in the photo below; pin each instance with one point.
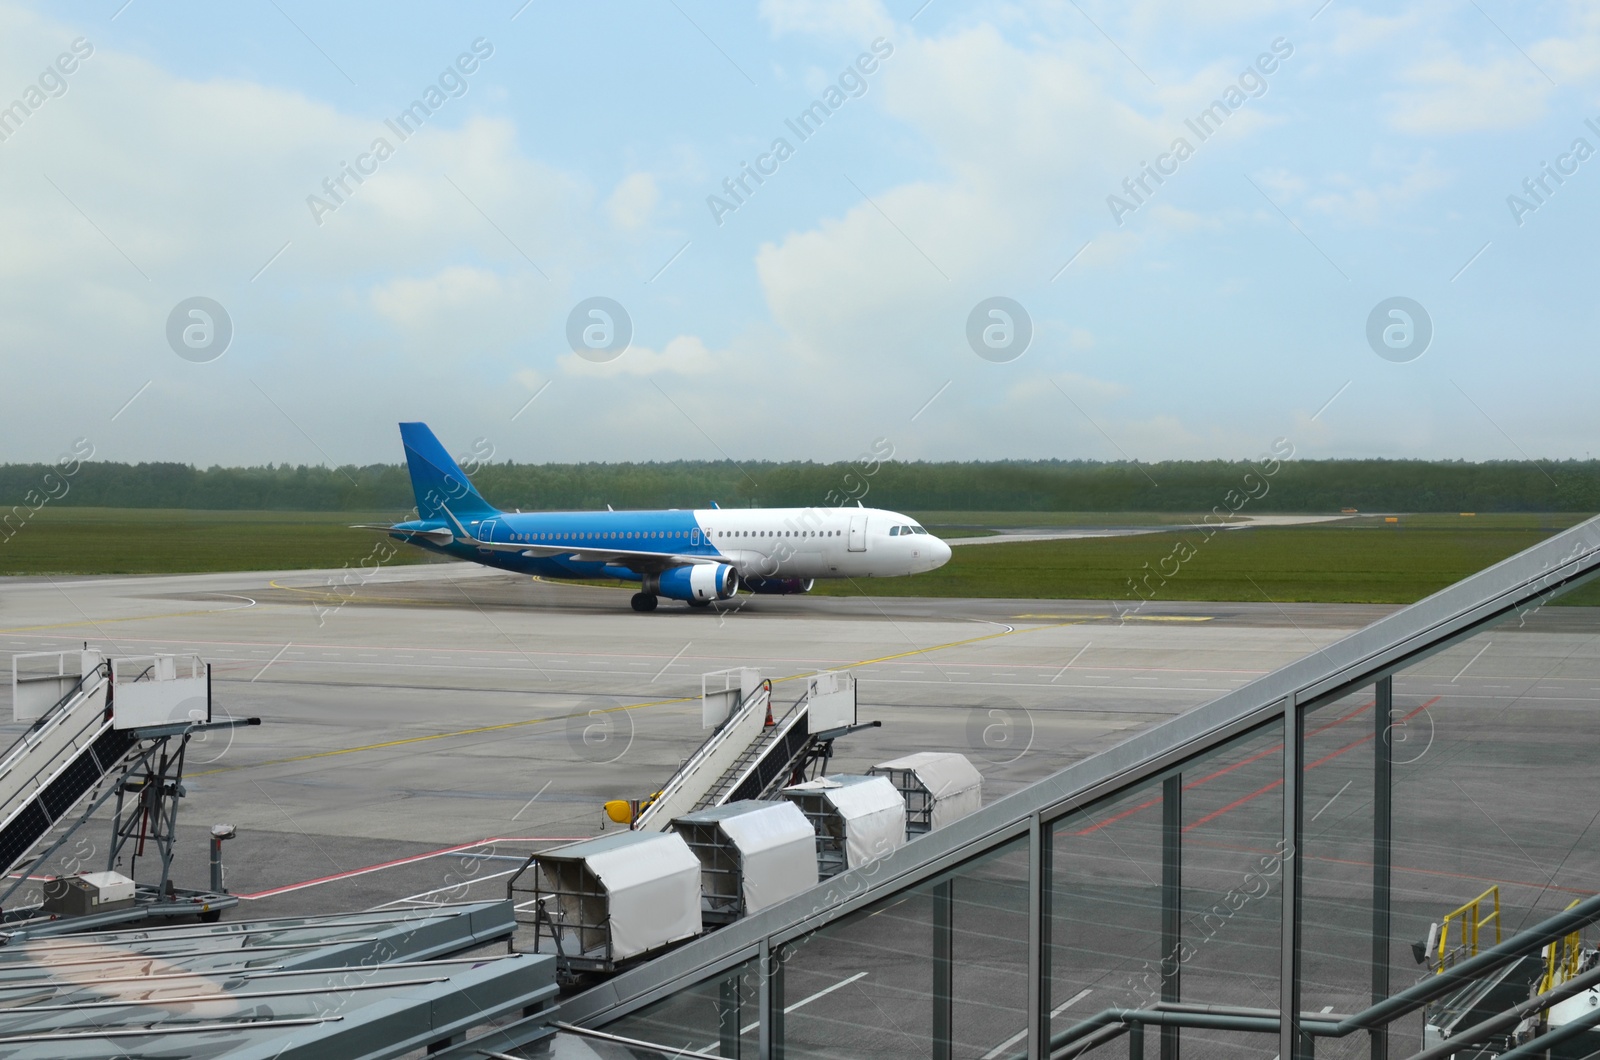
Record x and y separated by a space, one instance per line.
1015 1038
1325 805
803 1002
1470 661
451 887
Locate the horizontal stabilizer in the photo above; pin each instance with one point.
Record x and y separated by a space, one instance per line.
437 537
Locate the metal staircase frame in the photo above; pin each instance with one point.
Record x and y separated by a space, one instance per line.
760 696
137 761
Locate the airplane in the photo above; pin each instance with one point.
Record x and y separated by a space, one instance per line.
697 556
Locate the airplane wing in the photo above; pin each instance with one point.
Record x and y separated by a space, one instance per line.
641 562
438 537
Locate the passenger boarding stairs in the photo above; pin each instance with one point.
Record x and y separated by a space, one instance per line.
767 764
751 754
68 750
98 728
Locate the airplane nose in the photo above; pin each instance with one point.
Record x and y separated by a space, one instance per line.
941 552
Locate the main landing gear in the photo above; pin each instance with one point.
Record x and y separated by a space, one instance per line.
699 603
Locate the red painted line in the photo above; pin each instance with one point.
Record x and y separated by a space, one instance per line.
1274 749
1408 869
334 878
1214 814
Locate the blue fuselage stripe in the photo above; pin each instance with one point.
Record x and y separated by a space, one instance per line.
635 531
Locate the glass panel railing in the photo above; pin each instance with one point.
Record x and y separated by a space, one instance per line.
989 951
718 1016
1337 835
1495 808
1234 861
937 969
1105 904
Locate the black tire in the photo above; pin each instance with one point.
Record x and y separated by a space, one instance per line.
210 916
644 601
699 603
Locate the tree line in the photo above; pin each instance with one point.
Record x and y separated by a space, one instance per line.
1005 485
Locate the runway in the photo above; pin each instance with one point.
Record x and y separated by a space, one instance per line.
424 728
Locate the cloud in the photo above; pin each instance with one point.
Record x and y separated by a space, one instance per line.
683 355
1373 204
1449 95
633 201
859 21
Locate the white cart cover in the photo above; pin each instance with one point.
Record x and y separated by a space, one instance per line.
652 883
955 784
870 809
779 851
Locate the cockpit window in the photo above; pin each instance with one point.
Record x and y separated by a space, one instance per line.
918 530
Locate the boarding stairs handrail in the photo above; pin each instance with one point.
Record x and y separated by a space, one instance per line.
48 721
66 756
759 697
50 725
746 764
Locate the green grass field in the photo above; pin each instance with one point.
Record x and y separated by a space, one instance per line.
166 541
1362 560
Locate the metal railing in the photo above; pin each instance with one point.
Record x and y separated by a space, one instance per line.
1469 924
1109 1023
47 721
747 764
758 697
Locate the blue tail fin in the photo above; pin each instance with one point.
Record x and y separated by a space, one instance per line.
437 480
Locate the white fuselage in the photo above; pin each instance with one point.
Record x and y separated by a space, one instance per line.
820 542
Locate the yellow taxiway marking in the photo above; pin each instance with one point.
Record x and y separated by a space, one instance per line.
443 735
605 710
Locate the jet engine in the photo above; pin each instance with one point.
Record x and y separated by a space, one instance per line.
701 581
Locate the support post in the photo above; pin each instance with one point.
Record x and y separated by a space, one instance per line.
1039 929
728 1015
1382 852
771 1003
1135 1041
1171 903
1040 879
943 969
1289 1037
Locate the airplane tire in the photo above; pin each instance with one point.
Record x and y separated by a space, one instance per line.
699 603
644 601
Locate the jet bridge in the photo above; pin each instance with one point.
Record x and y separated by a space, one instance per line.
101 730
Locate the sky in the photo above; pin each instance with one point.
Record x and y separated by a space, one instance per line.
265 232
